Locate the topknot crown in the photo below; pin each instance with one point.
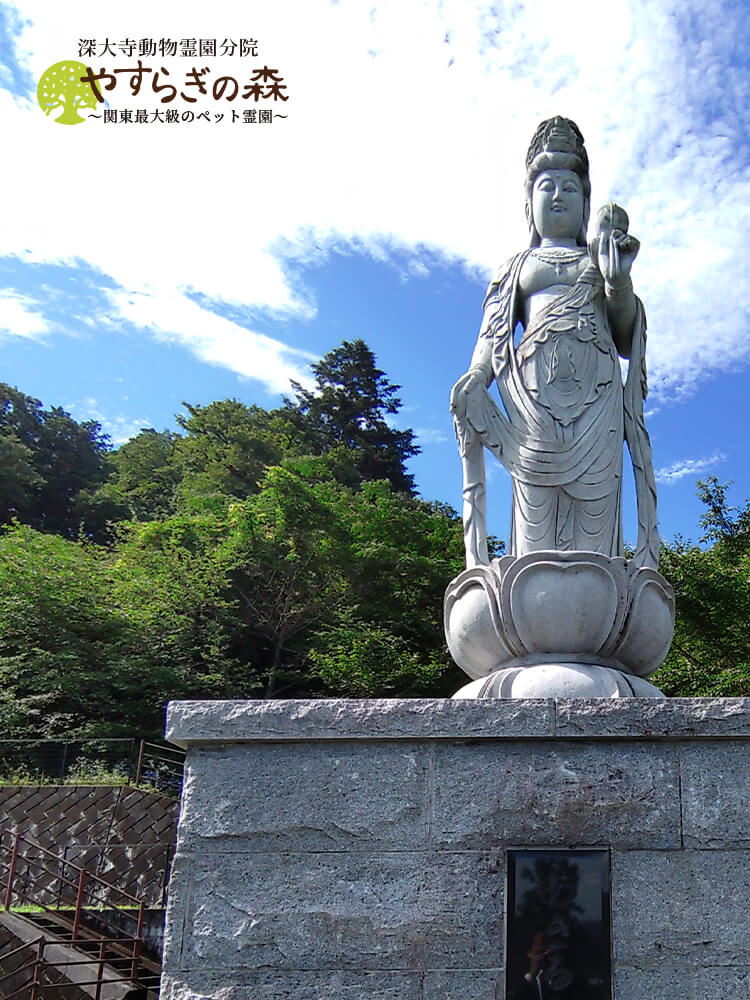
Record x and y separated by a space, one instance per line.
558 135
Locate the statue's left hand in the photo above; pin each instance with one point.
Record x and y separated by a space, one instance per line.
616 255
463 389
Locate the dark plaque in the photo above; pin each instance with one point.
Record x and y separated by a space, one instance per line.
558 927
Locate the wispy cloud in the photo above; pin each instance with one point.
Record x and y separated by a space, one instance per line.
431 435
671 474
214 338
13 75
19 317
437 164
120 428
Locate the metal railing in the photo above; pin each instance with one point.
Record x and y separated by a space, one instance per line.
67 897
131 761
160 766
35 986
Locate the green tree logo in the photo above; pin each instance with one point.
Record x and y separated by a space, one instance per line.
60 86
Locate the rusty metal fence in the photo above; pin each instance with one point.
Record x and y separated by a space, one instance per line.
100 761
35 877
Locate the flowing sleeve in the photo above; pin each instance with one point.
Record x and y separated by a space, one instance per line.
639 446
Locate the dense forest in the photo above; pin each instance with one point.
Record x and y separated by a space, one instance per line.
266 553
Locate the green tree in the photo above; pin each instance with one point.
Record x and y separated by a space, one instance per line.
227 591
72 460
284 557
169 586
347 410
55 464
319 570
358 660
144 476
227 447
20 480
290 591
70 662
61 86
729 527
710 654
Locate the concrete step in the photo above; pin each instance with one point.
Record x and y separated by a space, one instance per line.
58 952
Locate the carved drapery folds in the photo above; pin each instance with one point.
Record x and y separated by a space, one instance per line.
565 602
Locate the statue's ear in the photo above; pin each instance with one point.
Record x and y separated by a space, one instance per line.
534 237
585 224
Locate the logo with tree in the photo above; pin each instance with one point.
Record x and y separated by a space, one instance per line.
61 86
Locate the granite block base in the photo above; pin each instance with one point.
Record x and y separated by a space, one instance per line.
357 849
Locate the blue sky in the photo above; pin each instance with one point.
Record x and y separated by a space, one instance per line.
143 265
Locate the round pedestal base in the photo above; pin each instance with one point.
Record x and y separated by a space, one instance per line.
559 680
559 625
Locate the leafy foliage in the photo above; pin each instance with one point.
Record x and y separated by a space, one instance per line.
254 553
266 553
70 663
348 409
236 594
227 446
710 654
145 476
51 465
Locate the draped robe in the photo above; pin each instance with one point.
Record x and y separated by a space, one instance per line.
566 413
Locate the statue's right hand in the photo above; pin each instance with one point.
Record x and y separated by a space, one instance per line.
463 389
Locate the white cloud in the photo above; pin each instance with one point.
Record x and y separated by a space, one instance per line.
408 125
171 316
430 435
671 474
19 317
120 428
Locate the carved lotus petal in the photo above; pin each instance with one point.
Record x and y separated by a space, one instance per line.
473 624
563 607
649 626
559 607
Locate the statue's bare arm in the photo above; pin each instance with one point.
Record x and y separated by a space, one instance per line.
480 370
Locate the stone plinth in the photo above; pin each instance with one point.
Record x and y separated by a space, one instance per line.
357 849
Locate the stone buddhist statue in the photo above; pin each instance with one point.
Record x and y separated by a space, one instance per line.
556 317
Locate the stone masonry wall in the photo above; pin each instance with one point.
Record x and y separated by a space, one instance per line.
354 850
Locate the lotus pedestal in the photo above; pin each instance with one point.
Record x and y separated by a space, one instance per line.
559 625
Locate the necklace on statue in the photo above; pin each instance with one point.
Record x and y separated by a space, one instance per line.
558 257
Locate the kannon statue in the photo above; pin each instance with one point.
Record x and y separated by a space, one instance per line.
564 613
556 316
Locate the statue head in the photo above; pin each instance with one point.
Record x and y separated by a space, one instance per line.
557 144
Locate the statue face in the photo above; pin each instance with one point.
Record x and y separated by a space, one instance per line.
557 203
